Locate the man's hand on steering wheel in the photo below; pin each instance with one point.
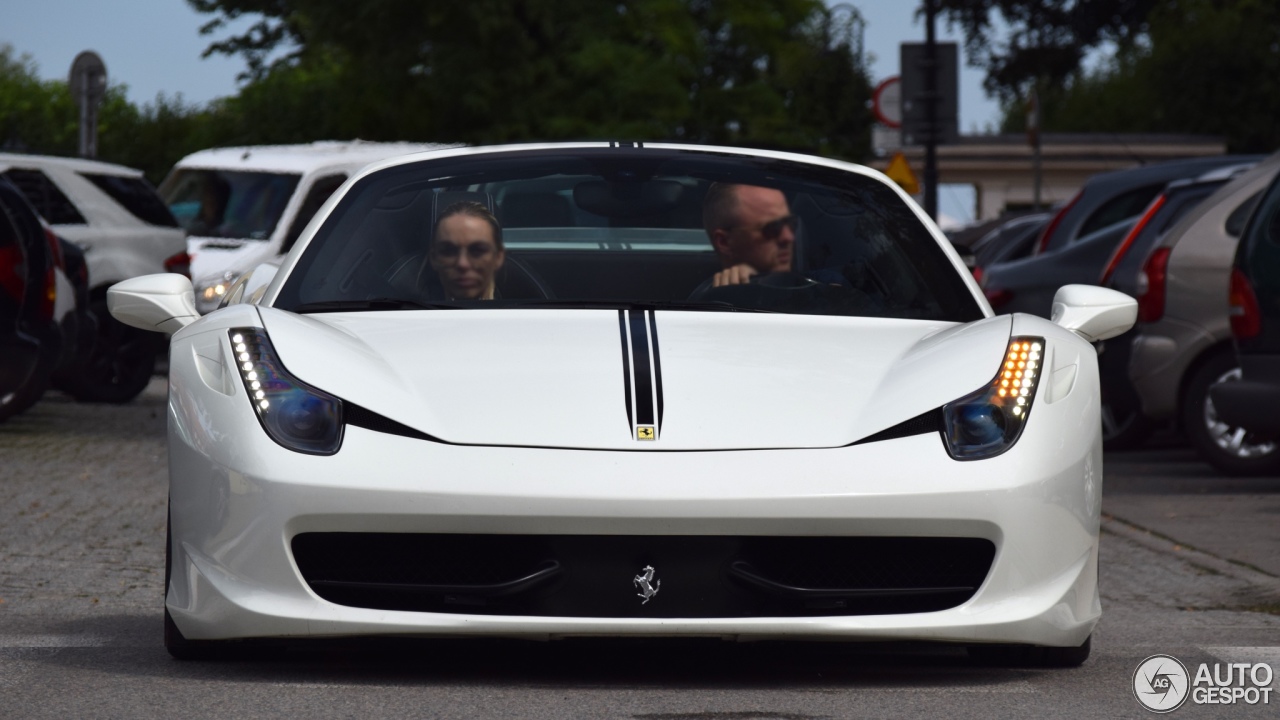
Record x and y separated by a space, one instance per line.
739 274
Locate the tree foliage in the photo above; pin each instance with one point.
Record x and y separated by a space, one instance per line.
1043 42
1203 66
486 71
773 73
40 116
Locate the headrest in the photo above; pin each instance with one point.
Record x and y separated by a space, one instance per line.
536 210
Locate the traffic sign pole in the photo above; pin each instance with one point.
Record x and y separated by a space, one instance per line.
931 112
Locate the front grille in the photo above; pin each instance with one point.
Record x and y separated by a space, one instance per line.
593 575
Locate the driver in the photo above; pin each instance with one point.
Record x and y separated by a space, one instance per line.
751 229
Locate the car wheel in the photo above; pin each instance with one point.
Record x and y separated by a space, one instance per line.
1123 428
119 366
1031 655
1232 450
28 394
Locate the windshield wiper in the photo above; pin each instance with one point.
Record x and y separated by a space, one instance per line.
695 305
703 305
373 304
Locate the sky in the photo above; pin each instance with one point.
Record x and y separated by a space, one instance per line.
155 46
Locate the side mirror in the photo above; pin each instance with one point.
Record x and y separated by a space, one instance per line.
161 303
1094 313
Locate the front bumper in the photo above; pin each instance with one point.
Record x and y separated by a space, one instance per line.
238 500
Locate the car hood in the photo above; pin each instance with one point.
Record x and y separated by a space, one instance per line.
594 379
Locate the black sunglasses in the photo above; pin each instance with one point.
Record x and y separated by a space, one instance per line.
772 230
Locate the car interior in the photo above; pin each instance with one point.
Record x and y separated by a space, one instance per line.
591 238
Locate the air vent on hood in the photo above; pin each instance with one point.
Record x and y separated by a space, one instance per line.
918 425
369 420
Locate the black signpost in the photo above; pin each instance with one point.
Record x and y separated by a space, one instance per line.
88 83
930 100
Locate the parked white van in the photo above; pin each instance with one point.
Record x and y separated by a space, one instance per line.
244 206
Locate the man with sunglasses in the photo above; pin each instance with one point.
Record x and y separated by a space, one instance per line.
751 229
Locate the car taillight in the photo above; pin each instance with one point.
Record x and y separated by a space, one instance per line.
1133 234
1246 318
977 275
1155 273
180 263
55 247
50 297
11 267
1047 233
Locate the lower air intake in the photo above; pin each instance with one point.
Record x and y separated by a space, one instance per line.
601 575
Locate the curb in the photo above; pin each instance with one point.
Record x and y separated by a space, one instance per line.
1161 543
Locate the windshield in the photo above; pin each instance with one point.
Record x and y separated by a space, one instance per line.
622 227
227 203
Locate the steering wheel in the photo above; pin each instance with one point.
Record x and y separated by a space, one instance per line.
786 280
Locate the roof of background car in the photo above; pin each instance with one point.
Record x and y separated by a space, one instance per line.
8 160
1156 172
303 157
1215 208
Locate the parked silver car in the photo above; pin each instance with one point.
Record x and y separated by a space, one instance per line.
1183 343
1124 425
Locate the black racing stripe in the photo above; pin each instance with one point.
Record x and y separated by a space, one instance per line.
640 358
626 364
657 362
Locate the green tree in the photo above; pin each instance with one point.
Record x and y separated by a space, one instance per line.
40 116
1021 43
488 71
35 116
1203 66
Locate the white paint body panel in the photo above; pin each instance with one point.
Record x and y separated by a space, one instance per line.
211 258
238 498
116 245
554 378
760 411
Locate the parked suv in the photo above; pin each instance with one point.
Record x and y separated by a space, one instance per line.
114 215
244 206
1183 343
28 292
1253 402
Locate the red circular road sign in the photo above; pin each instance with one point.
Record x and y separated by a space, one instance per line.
886 102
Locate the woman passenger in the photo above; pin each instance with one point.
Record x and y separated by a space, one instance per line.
466 251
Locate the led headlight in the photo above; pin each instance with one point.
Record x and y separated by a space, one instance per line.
293 413
989 421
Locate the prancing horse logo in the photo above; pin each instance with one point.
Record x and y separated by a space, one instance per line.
644 581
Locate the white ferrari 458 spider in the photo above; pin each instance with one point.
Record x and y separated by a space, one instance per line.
624 389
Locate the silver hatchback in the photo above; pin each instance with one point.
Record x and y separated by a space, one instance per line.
1183 344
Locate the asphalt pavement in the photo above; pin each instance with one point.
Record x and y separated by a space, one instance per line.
1188 568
